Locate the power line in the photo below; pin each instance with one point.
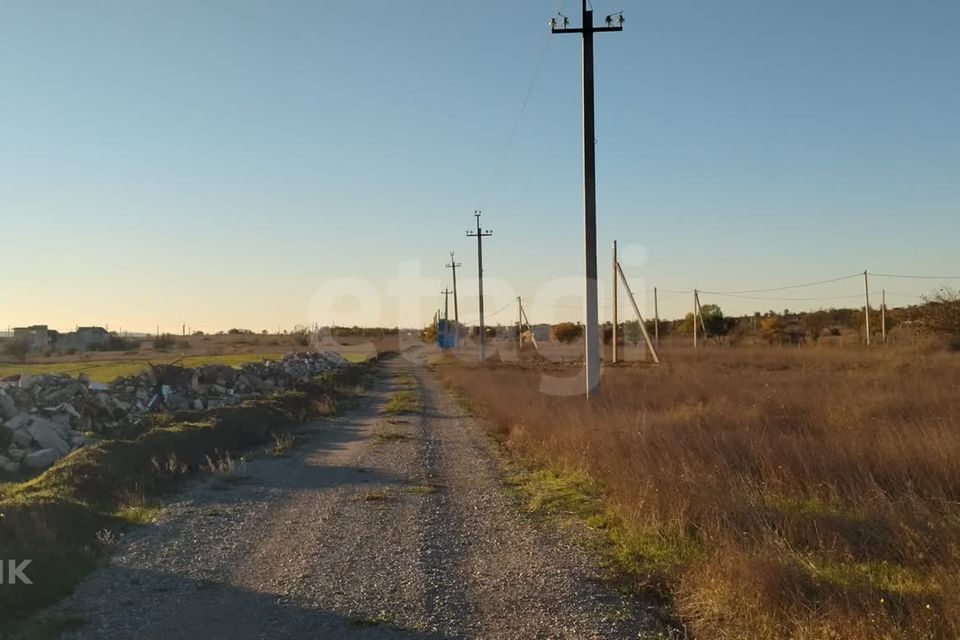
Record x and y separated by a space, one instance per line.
791 286
776 299
913 277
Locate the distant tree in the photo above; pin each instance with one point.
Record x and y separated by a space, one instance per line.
567 332
716 323
941 313
773 329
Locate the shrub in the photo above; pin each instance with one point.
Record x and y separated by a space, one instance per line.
567 332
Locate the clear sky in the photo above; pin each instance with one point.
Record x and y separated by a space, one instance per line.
236 163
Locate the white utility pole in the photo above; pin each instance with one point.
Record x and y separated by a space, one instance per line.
694 318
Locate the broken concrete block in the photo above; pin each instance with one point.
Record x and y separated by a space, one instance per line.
48 435
41 459
8 408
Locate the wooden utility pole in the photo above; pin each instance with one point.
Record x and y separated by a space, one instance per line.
456 307
866 305
480 235
613 340
656 319
591 329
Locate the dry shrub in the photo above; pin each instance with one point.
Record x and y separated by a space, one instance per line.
823 486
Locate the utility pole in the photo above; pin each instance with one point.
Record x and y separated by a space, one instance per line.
696 299
613 339
866 307
456 307
592 346
883 315
480 235
656 320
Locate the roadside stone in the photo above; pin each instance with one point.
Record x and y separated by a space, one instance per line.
8 408
41 459
18 421
48 435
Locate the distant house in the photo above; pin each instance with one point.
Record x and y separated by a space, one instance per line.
84 339
36 337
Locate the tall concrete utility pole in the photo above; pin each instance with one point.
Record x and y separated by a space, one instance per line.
591 333
480 235
456 307
613 339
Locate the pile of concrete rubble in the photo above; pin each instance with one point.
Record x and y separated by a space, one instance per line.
44 417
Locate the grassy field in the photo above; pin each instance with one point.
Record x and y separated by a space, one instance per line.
762 493
110 369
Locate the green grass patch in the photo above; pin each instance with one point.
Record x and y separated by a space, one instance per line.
421 489
109 370
391 435
645 554
402 402
881 576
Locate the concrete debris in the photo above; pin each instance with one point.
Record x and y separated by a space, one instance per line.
44 417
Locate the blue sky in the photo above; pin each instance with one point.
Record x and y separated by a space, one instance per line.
228 163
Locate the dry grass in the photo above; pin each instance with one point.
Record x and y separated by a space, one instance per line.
770 493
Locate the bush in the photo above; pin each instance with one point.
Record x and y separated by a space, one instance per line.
567 332
941 313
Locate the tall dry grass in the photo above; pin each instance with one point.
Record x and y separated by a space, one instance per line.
773 493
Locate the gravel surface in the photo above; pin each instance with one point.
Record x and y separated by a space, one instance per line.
375 526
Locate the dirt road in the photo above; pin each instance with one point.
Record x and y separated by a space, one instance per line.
376 526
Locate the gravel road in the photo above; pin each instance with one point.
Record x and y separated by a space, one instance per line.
376 526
